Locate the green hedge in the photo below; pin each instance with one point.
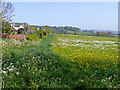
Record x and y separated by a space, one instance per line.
32 37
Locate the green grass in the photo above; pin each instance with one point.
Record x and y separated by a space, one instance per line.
50 64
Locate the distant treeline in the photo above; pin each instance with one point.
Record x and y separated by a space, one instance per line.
71 30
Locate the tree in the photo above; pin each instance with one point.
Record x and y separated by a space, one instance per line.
6 10
98 33
40 33
109 34
46 28
6 13
26 27
6 27
104 34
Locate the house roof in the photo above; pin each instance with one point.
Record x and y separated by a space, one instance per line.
16 28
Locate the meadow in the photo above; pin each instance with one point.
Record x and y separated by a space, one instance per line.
61 61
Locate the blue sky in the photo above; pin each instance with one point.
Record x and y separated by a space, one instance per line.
84 15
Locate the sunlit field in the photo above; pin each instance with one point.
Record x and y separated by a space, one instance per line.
62 61
94 59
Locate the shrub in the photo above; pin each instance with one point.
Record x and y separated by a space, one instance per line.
13 33
20 30
60 33
44 33
32 37
40 33
48 32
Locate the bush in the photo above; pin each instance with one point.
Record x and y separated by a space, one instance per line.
20 30
60 33
40 33
13 33
32 37
44 33
48 32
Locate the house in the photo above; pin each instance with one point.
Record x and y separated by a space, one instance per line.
16 28
19 36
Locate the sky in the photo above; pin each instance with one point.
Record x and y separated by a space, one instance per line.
64 0
84 15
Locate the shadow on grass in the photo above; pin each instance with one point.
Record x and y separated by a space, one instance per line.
36 66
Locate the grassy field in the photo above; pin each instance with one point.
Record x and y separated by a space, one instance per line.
62 61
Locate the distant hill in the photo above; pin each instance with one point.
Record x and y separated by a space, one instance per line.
69 29
65 30
114 32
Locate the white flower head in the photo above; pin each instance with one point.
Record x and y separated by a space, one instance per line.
11 70
17 73
4 72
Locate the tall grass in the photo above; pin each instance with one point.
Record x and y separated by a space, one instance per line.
39 66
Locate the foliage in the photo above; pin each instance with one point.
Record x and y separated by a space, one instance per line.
46 28
61 61
65 30
49 32
13 33
6 27
20 30
94 59
40 33
44 33
32 37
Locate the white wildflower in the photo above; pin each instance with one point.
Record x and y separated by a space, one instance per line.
4 72
11 70
110 77
17 73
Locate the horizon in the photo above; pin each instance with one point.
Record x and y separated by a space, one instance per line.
95 15
64 26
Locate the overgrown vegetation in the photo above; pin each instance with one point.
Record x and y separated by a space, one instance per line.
58 61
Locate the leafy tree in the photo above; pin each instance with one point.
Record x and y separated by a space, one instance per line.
75 33
6 14
98 33
92 34
45 33
60 33
103 34
109 34
6 27
47 28
40 33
